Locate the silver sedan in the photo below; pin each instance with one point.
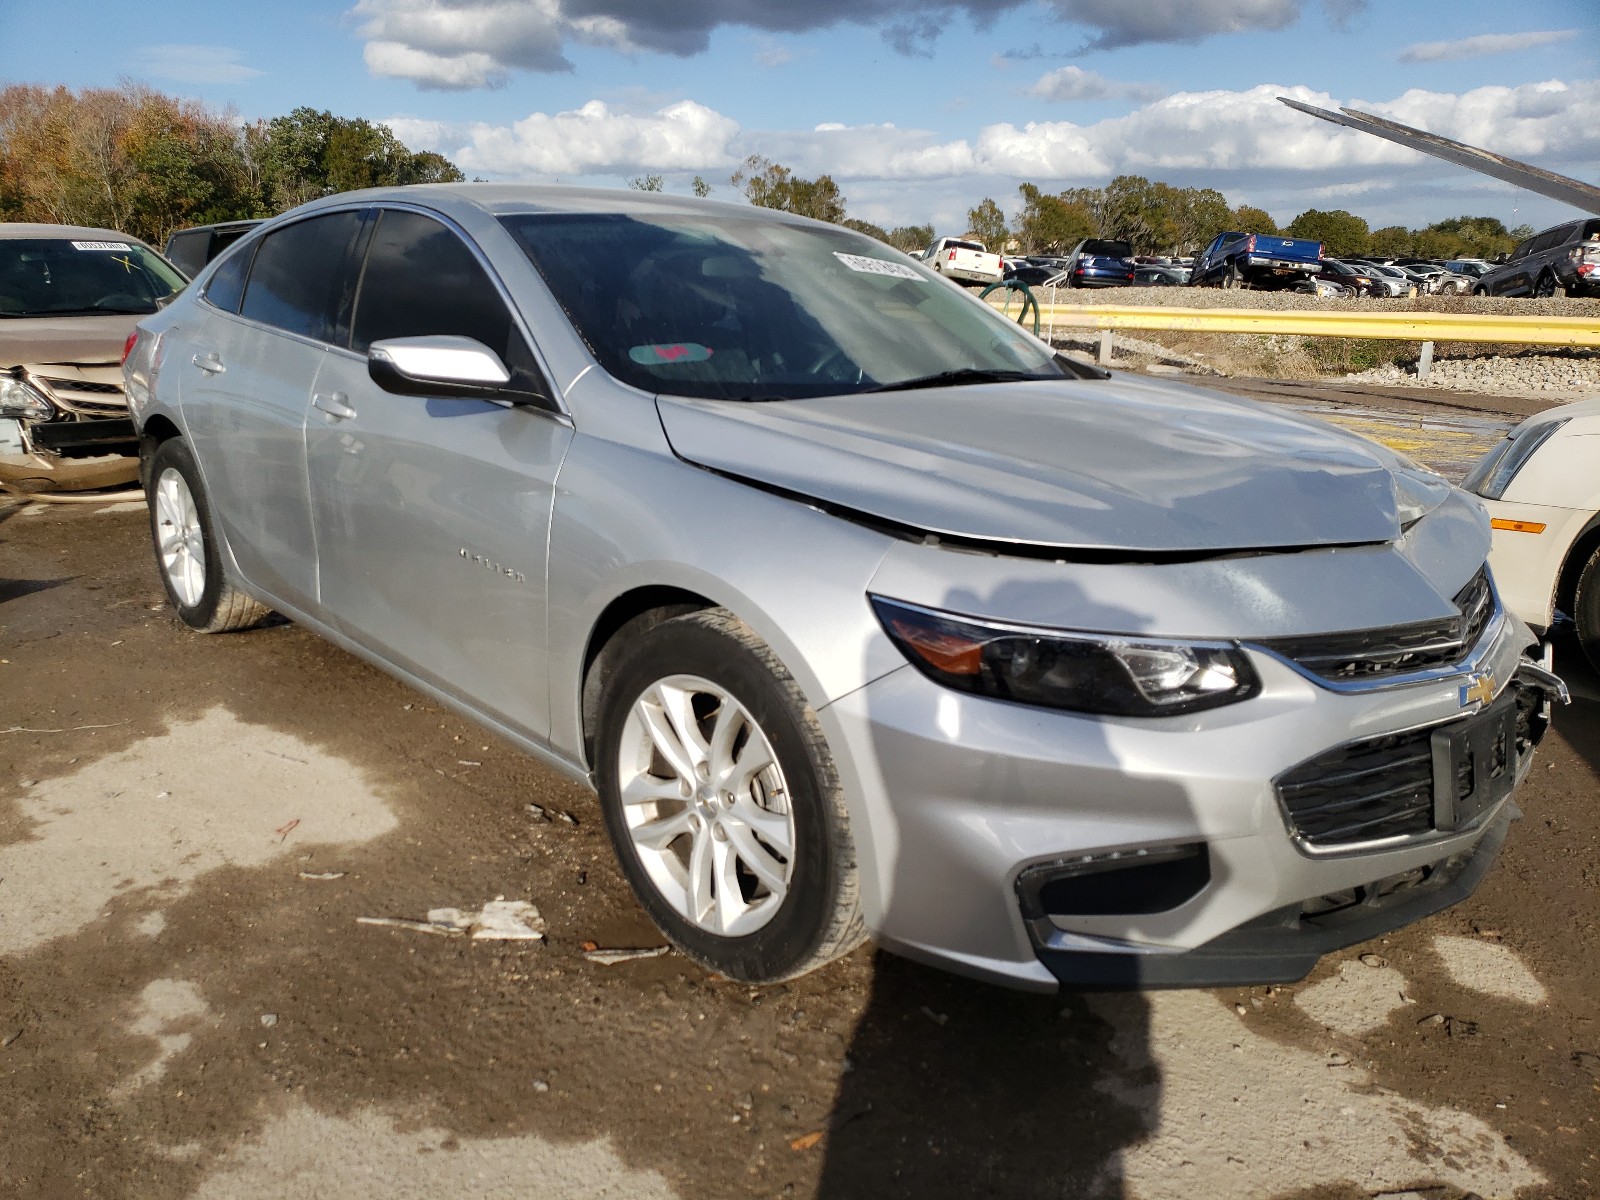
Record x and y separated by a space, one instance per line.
864 611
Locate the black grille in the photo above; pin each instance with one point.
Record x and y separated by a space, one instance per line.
1397 649
1378 788
84 385
1381 787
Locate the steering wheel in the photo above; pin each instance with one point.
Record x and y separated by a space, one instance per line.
829 356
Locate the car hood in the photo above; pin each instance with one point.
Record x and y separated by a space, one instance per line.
1115 465
29 340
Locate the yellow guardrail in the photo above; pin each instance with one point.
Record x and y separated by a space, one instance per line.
1396 326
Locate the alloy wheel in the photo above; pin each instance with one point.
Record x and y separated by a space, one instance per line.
180 538
707 806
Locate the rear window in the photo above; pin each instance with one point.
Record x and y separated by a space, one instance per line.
978 246
1105 249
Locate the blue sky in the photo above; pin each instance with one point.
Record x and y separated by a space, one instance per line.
918 109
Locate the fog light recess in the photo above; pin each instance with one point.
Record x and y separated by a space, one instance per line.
1134 882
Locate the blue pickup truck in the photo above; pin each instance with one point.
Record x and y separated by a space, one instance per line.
1256 260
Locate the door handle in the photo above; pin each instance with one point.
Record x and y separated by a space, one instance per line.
208 362
333 403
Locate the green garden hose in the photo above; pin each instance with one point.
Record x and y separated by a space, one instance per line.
1028 301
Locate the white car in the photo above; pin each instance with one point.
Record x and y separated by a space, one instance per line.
963 260
1542 489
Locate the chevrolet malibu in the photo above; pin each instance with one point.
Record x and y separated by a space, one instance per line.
864 612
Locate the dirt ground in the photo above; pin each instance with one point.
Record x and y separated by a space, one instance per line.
191 827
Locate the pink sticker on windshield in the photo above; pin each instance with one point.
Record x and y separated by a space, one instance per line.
670 352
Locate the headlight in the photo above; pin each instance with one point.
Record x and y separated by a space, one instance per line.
1495 471
19 398
1105 674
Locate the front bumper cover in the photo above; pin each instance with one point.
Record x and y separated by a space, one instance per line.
1282 946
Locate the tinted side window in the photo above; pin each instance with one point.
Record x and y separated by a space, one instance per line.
422 281
297 282
187 251
227 283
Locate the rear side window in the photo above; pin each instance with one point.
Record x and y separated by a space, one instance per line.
226 287
298 280
421 280
187 251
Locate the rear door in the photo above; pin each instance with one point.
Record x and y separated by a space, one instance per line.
248 372
432 515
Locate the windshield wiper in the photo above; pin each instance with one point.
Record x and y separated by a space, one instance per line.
958 377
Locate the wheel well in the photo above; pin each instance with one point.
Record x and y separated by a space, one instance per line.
156 430
629 615
1567 581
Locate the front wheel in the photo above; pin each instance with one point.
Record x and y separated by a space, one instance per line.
723 802
1586 610
1545 287
187 550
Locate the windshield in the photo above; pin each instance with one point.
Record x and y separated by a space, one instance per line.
59 277
749 309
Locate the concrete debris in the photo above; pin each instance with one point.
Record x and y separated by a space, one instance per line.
608 958
269 1019
322 874
499 920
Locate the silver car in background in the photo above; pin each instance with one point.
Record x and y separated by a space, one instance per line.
864 611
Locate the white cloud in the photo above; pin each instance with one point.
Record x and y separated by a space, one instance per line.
1074 83
1483 43
194 64
1244 143
477 43
596 139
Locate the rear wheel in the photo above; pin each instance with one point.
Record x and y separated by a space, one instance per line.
1545 286
1586 609
723 802
187 551
1232 278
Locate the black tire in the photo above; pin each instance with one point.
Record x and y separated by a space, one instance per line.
1233 278
1480 290
220 606
1544 287
1586 609
819 918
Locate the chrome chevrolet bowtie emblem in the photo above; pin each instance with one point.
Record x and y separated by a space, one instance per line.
1481 690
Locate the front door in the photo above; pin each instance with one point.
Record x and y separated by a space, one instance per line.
432 516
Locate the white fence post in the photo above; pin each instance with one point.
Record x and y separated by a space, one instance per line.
1104 355
1425 362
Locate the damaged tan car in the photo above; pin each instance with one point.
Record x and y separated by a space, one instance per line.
69 299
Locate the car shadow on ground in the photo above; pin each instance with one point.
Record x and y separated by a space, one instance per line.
960 1089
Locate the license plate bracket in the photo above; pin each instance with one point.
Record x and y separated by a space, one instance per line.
1474 764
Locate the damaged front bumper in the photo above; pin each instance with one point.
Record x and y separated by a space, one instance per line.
65 427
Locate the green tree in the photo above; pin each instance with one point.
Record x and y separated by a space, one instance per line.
911 238
1141 213
987 224
1199 214
1048 224
1341 233
646 183
1247 219
1392 241
700 187
311 153
770 185
866 227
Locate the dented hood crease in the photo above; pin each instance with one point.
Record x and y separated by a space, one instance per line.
1111 465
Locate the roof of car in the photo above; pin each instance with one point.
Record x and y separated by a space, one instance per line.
501 199
14 230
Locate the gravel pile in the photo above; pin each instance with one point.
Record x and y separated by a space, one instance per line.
1186 297
1563 374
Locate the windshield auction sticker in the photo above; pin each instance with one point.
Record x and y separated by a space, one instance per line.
876 266
101 246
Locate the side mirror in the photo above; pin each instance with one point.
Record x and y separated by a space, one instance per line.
437 366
